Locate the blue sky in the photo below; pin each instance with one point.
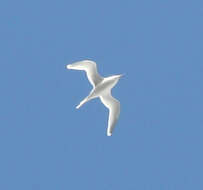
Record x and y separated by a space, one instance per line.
46 144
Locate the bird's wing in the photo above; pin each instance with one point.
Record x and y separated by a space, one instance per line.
90 68
114 110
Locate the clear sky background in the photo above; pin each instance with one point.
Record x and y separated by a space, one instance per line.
46 144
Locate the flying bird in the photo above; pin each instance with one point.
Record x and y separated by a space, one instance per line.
101 89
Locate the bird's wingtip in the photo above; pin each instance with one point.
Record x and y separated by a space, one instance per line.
68 66
109 134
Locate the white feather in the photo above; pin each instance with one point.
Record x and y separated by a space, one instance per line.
102 89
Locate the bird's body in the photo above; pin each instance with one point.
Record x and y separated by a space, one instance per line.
101 89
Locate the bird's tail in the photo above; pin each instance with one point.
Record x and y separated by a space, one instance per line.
88 98
82 102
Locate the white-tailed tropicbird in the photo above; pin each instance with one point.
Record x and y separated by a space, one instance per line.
101 88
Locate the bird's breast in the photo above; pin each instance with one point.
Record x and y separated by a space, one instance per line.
104 86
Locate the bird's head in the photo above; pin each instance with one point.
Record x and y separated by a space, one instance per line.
115 78
118 76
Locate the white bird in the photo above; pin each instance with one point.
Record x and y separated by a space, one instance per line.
101 88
